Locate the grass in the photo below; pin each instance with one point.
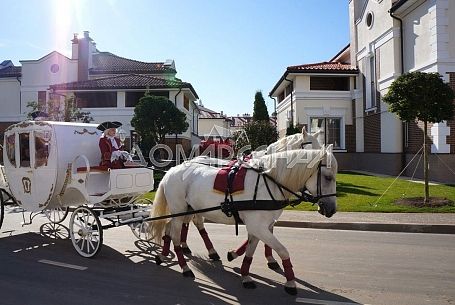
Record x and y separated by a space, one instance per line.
360 193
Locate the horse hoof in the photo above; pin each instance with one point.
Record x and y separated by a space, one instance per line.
158 260
215 257
186 250
273 265
230 256
291 290
188 273
249 285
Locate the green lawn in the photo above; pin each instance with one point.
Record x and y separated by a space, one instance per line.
360 193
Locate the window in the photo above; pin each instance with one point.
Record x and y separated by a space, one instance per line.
10 149
370 81
186 102
332 83
330 130
369 19
24 149
96 99
42 148
281 97
133 97
42 98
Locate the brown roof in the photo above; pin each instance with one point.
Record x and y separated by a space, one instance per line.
126 81
325 66
11 71
108 63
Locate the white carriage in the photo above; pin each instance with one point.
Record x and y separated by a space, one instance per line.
53 166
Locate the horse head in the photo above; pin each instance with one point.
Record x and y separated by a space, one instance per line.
322 183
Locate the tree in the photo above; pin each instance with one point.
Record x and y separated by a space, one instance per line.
425 97
260 133
293 130
260 112
57 110
155 117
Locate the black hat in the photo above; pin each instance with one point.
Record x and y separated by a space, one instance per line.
107 125
38 114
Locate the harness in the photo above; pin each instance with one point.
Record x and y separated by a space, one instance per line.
231 208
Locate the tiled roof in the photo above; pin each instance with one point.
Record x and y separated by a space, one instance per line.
126 81
240 121
11 71
108 63
325 66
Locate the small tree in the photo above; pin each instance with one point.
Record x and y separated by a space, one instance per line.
293 130
425 97
155 117
260 112
260 133
66 110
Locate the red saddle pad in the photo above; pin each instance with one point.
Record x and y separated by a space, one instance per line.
221 179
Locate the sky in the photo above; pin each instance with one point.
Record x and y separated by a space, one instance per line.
227 49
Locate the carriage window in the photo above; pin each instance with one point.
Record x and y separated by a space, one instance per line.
24 141
10 149
42 148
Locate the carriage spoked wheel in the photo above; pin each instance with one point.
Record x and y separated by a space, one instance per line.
141 229
86 232
56 215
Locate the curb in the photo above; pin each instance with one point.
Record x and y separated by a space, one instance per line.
367 226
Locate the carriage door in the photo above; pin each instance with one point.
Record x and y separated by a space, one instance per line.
26 184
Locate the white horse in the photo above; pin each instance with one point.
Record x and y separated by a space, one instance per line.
295 141
190 184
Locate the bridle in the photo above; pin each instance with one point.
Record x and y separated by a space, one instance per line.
307 196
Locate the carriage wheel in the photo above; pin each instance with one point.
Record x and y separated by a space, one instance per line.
56 215
86 232
140 230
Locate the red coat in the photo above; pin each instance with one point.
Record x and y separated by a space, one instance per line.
106 149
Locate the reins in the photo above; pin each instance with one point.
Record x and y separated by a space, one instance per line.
231 208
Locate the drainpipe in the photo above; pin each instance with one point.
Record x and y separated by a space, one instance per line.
274 107
403 125
292 109
20 95
175 103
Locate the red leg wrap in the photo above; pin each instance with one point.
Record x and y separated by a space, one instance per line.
245 269
166 245
288 272
205 237
184 232
267 251
241 250
180 258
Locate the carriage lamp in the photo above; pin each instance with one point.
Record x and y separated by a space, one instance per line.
121 134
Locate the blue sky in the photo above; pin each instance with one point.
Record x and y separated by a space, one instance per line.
226 49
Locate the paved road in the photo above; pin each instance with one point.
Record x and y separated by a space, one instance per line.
333 267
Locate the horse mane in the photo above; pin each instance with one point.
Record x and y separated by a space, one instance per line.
291 167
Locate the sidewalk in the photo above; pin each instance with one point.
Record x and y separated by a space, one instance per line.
442 223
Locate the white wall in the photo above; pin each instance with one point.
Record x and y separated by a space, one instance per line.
9 99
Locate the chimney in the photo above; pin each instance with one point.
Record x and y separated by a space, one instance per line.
85 49
75 47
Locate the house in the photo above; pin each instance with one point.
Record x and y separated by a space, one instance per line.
106 85
318 96
213 124
342 97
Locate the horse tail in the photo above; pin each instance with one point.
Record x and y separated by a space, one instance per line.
159 208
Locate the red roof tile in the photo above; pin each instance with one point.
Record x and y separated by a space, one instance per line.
323 67
125 81
106 62
11 71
